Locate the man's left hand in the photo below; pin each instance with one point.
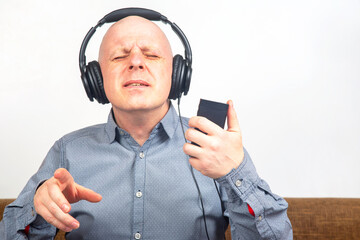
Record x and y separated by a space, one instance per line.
220 150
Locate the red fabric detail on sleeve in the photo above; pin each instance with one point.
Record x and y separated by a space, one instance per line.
251 211
27 229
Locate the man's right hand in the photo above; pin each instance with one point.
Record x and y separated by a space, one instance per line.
52 199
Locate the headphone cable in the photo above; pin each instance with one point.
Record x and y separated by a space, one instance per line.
193 175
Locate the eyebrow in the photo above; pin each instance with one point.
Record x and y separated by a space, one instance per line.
117 51
126 50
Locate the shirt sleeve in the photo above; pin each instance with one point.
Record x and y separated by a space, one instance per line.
21 212
244 188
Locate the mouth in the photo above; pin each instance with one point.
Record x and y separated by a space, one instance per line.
136 83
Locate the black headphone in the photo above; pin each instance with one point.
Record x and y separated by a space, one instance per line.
91 73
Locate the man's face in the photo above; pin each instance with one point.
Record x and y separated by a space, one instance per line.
136 63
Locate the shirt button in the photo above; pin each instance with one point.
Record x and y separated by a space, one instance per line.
139 194
238 183
260 218
141 155
122 133
137 236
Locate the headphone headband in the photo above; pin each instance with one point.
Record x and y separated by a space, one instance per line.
119 14
116 15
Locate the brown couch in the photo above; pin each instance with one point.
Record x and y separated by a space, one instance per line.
311 218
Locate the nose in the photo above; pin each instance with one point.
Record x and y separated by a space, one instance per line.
136 61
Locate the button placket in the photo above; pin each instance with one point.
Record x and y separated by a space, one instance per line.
139 180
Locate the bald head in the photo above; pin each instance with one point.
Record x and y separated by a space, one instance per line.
134 31
136 63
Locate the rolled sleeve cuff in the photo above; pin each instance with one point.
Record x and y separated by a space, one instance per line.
240 182
21 213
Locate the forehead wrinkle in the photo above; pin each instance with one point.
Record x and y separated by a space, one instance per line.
145 33
143 46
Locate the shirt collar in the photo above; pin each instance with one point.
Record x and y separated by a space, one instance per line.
169 123
110 127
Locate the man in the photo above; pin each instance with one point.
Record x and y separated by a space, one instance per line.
133 172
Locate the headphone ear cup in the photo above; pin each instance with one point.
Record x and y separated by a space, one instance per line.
96 81
87 84
177 77
187 81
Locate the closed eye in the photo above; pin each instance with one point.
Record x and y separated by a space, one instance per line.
152 56
117 58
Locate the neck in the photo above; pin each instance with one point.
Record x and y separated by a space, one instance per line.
140 123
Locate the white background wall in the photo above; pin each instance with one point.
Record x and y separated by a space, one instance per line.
291 67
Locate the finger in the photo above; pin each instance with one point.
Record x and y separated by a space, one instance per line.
87 194
232 120
58 197
77 191
64 177
192 150
51 212
196 163
205 125
45 213
56 217
194 135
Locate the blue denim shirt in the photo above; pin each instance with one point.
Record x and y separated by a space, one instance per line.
148 191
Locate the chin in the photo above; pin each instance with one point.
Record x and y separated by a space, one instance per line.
142 106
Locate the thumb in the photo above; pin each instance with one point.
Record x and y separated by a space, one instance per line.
232 120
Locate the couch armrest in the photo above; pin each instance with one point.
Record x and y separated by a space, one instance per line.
325 218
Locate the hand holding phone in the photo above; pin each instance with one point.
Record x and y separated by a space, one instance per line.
214 111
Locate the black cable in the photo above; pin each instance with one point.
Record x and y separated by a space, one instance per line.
221 204
218 191
193 175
